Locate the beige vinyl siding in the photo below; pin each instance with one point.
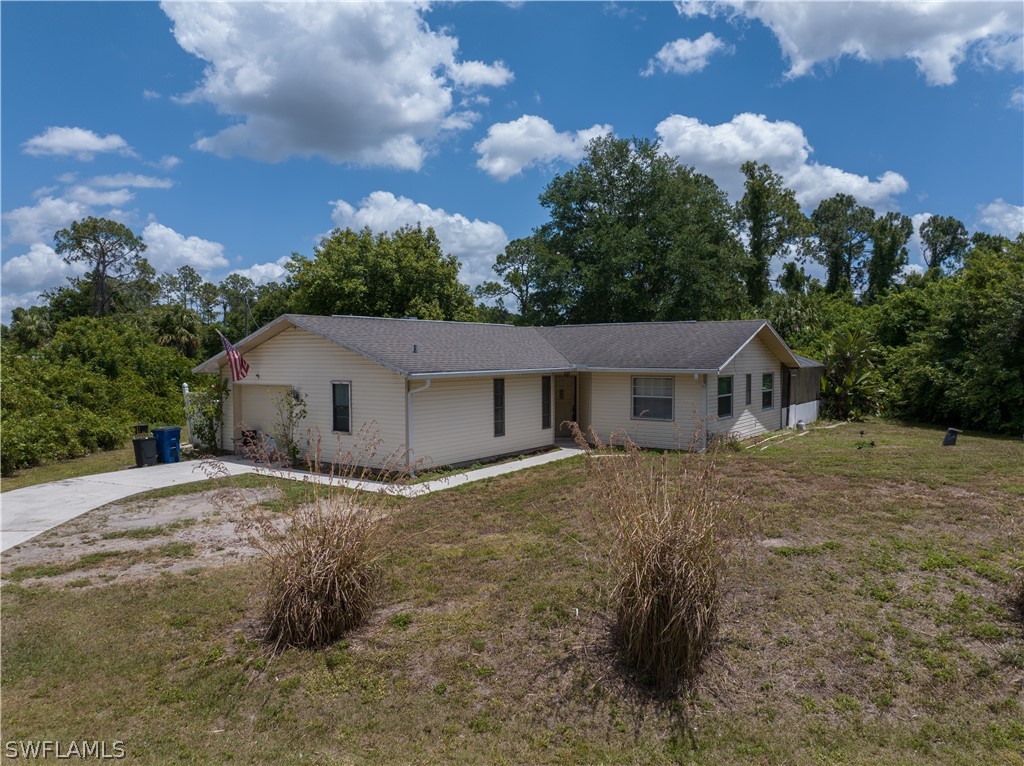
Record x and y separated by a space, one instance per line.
755 360
453 420
255 407
310 363
583 405
611 410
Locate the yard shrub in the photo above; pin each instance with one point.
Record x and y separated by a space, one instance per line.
672 533
321 563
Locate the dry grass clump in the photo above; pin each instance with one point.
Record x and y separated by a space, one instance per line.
672 532
321 572
321 561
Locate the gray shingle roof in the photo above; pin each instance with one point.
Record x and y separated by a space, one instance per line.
439 346
421 347
652 345
806 361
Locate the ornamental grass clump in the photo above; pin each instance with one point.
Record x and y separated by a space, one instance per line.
321 562
672 531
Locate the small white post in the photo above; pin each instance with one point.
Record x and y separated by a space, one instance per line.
188 418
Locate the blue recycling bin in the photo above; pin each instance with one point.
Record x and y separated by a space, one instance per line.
168 443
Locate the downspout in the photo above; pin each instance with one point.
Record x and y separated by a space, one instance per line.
408 424
704 382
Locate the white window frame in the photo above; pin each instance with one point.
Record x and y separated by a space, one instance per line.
768 377
639 414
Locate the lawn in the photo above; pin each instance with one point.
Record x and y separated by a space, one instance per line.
97 462
867 620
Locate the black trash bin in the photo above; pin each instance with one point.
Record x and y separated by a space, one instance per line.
145 451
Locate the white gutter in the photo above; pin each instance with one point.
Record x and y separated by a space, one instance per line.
704 382
408 423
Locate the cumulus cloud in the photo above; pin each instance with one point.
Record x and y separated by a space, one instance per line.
167 250
720 150
362 83
37 269
511 147
89 196
1016 99
132 180
262 273
476 74
37 223
75 142
937 36
686 56
1002 217
474 242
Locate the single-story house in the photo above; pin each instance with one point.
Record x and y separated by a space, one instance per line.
460 392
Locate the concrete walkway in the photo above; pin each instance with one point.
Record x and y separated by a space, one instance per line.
25 513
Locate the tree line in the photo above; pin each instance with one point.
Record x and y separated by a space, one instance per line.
631 235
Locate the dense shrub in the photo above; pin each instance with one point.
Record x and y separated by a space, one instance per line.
83 390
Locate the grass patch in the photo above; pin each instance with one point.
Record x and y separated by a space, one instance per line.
97 462
850 653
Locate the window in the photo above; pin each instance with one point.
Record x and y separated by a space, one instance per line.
342 407
499 406
652 398
767 390
545 401
748 388
725 397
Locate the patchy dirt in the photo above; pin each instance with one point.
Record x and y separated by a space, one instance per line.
133 540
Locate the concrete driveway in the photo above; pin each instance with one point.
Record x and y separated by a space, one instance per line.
25 513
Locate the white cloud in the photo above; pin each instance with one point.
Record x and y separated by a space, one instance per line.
87 195
510 147
1016 99
362 83
10 301
474 242
167 250
720 150
262 273
37 223
168 162
686 56
77 142
38 269
150 94
476 74
1001 217
937 36
132 180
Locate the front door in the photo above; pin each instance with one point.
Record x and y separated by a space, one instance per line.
565 404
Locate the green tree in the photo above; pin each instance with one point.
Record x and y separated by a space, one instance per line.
238 296
944 240
850 388
179 328
770 218
110 249
793 279
634 236
389 275
518 267
842 230
889 236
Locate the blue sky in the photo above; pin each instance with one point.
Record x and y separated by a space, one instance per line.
231 136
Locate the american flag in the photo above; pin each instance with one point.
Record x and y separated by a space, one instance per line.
239 367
